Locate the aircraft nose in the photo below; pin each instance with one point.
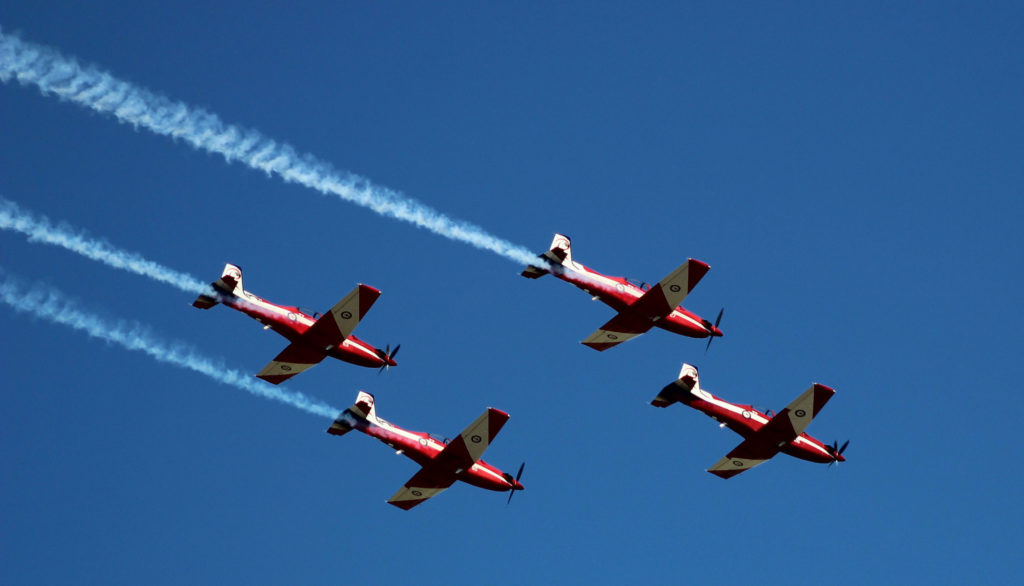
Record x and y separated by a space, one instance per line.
716 332
518 485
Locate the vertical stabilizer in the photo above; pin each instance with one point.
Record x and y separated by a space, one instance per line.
687 382
229 283
363 410
559 253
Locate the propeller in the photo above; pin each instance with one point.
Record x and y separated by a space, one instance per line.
388 356
836 451
508 477
713 329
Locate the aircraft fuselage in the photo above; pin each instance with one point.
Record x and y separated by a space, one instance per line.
423 449
618 293
745 420
292 322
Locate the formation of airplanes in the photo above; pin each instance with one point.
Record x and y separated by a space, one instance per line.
639 307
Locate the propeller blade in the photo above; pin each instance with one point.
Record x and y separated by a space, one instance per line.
395 353
518 476
711 337
842 449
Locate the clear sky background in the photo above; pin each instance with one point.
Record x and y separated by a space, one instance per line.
851 173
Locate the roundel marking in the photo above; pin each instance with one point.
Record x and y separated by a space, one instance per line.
291 316
612 337
423 441
746 414
737 463
285 367
417 493
675 288
800 412
620 287
346 315
476 439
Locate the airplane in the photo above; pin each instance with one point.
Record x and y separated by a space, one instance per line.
765 434
442 462
313 336
640 306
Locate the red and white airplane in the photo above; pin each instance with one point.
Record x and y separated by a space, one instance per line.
764 434
313 337
640 306
442 462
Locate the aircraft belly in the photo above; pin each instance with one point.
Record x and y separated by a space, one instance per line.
806 450
354 352
483 478
679 324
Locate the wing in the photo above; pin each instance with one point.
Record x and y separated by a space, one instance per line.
753 451
462 452
764 443
422 486
656 303
660 300
338 323
619 329
297 357
803 409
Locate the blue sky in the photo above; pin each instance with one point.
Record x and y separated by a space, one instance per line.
851 174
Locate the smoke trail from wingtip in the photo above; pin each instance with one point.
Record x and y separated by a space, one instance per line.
98 90
48 303
40 229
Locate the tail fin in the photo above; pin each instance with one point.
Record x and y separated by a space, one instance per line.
687 382
560 253
362 410
229 283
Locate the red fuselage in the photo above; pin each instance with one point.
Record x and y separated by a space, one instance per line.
619 293
422 448
745 420
292 322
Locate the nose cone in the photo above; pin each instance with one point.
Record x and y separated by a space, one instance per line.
716 332
517 485
840 458
390 361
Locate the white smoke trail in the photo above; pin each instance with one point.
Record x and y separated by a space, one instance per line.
88 86
48 303
40 229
